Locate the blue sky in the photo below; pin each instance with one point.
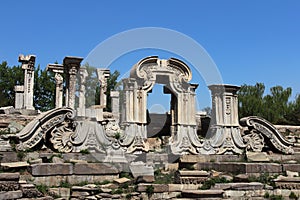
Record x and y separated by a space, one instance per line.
249 41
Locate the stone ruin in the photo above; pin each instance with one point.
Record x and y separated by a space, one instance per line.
122 135
69 129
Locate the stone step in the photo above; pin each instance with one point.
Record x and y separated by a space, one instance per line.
192 159
202 194
238 186
9 176
191 177
241 168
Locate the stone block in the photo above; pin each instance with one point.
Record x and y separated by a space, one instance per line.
9 157
241 167
57 160
257 157
76 179
9 176
6 110
122 180
94 168
291 167
51 169
171 167
141 169
11 195
159 188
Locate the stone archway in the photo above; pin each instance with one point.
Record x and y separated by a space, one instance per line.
175 75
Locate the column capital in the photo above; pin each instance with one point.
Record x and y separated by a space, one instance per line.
27 61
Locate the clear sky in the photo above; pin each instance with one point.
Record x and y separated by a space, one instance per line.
250 41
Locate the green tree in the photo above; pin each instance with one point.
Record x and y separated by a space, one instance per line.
92 87
44 89
251 100
9 77
112 84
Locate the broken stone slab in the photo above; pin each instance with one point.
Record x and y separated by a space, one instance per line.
36 161
10 176
14 127
11 195
193 173
77 161
13 165
122 180
51 169
202 193
283 182
79 194
106 190
27 186
141 169
157 188
241 178
239 186
103 195
292 174
62 192
85 188
257 157
7 110
94 168
145 179
181 187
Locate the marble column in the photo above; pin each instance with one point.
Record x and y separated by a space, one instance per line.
103 75
58 70
71 67
81 107
28 62
115 104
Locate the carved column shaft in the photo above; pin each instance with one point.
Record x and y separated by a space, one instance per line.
103 75
83 75
59 90
28 67
71 67
58 70
115 104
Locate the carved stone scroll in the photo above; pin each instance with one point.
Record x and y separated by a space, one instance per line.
272 137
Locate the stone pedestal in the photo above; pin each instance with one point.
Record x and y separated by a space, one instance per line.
19 97
224 135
